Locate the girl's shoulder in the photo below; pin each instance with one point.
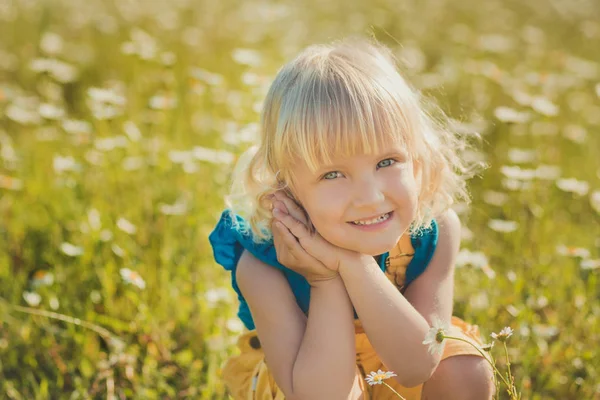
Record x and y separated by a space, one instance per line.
231 236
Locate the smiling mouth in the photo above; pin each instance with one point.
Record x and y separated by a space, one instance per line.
373 221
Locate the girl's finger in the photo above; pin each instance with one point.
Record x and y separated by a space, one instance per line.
293 208
287 208
280 247
311 245
297 228
289 241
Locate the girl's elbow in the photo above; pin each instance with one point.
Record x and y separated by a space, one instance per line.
413 380
410 381
419 374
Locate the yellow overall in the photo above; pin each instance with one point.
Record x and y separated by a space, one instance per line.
248 377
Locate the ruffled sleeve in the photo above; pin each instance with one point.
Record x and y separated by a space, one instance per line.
424 243
229 240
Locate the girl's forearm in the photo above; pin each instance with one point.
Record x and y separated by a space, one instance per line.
394 327
326 362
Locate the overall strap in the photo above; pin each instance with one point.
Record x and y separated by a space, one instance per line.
397 262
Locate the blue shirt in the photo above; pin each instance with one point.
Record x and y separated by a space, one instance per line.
228 243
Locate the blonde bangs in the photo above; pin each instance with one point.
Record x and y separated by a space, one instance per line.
335 111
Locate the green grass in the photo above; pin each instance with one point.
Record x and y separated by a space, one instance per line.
170 338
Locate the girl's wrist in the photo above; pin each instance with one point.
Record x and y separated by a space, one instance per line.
360 262
322 283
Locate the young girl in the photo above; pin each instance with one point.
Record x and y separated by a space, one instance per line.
341 241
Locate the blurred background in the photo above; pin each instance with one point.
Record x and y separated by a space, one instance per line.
120 123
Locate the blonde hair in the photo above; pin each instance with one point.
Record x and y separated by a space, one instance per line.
341 99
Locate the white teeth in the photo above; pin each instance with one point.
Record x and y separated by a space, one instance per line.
373 221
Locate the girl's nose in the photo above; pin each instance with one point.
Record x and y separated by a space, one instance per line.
368 194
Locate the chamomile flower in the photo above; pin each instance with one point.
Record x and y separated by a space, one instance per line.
590 264
133 278
42 278
436 335
502 226
507 114
377 378
126 226
32 298
503 335
71 250
488 346
573 251
573 185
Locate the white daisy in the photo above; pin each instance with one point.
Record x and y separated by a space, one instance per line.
573 185
507 114
51 43
247 57
504 334
71 250
573 251
487 346
544 106
436 335
216 295
61 164
502 226
377 378
133 278
590 264
10 183
521 156
42 278
106 96
32 298
126 226
213 155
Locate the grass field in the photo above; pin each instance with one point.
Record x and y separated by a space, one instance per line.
120 122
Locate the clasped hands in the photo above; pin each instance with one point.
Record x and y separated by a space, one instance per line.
301 250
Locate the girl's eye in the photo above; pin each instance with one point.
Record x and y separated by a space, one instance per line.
328 176
388 159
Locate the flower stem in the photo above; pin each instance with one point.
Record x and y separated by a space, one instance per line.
488 360
497 386
392 389
510 377
495 376
104 333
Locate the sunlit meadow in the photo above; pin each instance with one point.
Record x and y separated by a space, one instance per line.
120 122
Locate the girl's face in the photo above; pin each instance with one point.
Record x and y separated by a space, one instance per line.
361 187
